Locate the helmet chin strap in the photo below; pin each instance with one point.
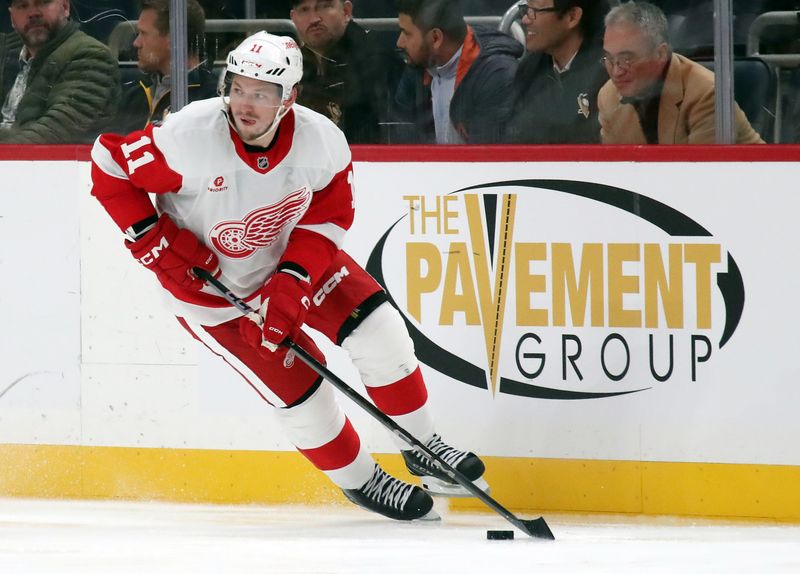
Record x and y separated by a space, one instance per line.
264 138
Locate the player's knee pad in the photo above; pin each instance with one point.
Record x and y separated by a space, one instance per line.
380 347
315 421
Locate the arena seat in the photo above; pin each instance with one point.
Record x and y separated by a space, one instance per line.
756 92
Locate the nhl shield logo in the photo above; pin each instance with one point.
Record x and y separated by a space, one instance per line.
262 162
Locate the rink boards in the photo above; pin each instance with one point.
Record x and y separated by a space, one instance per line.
613 335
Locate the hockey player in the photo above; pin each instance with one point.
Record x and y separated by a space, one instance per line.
258 191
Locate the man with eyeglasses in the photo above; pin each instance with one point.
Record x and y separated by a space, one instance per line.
556 85
456 88
349 76
57 84
655 96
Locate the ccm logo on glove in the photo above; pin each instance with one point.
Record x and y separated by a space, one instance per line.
171 252
149 258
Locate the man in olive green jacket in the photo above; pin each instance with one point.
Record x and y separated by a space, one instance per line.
57 84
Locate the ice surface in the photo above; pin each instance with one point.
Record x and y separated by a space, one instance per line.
110 537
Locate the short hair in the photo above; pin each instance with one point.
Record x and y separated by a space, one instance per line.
446 15
593 11
195 20
645 16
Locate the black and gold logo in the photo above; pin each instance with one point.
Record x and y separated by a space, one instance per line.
559 289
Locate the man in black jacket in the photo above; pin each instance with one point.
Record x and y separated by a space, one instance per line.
348 74
556 86
457 86
146 98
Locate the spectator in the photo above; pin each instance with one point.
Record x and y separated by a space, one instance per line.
146 99
57 84
556 86
348 76
457 87
654 95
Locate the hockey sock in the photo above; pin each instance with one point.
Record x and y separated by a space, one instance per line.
384 355
322 433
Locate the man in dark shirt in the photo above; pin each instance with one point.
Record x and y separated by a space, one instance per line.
146 98
556 85
348 75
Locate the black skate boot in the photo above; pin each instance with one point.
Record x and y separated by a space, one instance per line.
437 482
393 498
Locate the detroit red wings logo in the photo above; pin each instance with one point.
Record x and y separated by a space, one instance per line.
259 228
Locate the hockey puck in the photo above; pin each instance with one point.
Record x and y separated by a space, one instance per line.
499 535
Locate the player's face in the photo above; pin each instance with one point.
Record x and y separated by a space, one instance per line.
152 49
413 43
544 30
633 63
253 106
320 23
38 20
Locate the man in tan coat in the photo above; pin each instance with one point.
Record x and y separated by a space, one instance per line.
655 96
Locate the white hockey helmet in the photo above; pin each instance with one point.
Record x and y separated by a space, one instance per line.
269 58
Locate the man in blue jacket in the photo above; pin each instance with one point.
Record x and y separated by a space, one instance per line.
457 87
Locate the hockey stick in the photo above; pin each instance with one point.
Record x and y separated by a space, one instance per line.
536 528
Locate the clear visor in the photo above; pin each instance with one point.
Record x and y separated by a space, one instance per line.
266 95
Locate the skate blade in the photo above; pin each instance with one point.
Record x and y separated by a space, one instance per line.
437 487
432 516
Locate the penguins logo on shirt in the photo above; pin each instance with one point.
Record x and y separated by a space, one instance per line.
584 107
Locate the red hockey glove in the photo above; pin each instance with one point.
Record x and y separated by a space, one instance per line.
251 327
285 298
170 252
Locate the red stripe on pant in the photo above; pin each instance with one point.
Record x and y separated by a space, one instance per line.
401 397
337 453
186 326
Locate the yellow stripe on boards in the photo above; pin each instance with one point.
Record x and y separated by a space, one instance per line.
161 474
521 485
654 488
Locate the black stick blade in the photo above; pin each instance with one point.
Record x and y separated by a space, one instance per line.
537 528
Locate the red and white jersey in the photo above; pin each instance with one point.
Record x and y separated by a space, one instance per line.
242 204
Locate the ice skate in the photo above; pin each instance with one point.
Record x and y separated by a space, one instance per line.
393 498
437 482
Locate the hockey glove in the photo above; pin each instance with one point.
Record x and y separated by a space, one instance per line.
170 252
285 297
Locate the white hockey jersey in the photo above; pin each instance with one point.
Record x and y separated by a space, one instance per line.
242 204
